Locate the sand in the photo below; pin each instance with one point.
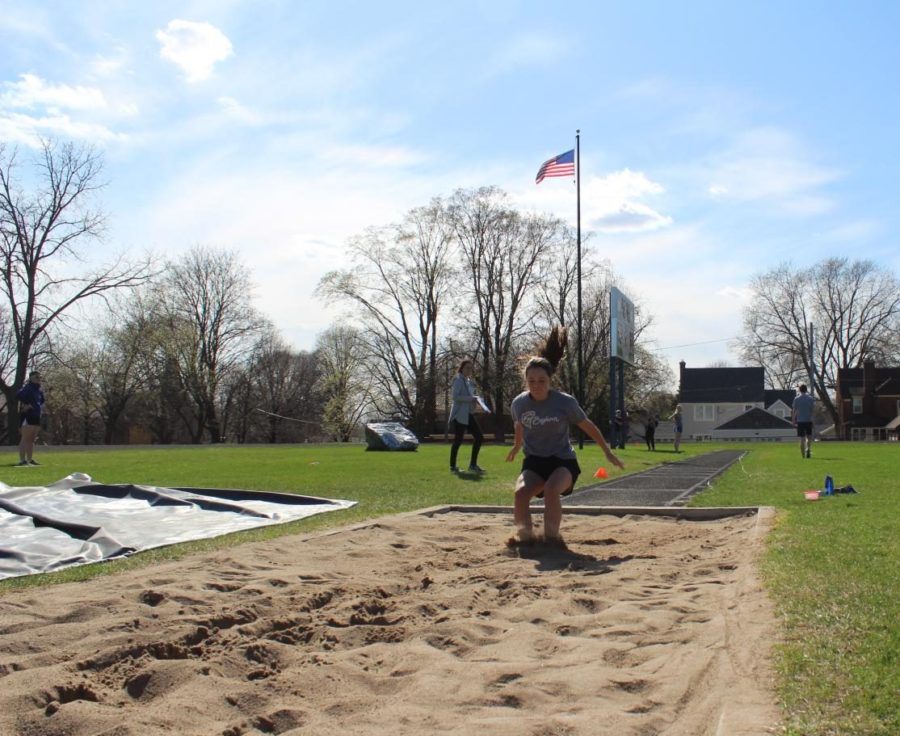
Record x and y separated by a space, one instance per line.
413 625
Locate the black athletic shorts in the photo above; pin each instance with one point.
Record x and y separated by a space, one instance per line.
804 429
544 467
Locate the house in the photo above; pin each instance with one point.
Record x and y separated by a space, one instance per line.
779 402
731 404
755 424
868 402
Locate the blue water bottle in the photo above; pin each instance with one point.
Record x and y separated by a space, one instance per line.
829 486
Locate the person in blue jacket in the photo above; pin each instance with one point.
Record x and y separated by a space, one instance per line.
31 406
462 416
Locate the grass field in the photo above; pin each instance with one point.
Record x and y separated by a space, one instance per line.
832 567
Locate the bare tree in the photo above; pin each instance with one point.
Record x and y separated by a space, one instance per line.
558 305
503 254
646 380
71 387
838 312
212 326
39 232
344 380
283 401
400 280
167 405
125 346
783 370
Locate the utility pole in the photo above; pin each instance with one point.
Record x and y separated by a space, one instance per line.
812 361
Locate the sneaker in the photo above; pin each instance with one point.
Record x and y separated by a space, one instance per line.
21 463
808 454
454 469
476 469
33 462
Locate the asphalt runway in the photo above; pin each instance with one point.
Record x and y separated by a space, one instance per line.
669 484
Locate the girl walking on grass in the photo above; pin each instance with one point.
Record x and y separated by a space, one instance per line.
462 416
678 426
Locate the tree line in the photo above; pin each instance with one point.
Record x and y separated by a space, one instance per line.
182 354
805 323
471 276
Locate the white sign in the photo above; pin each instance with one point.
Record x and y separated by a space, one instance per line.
621 326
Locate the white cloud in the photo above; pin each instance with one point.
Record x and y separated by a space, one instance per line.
29 130
770 164
32 92
195 47
740 294
116 62
699 331
611 203
668 251
32 23
236 111
104 65
608 203
853 231
807 205
630 217
32 108
282 219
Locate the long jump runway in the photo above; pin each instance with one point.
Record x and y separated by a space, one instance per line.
669 484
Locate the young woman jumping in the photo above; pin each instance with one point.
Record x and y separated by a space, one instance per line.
542 416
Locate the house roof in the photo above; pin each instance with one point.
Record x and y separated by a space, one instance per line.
852 381
756 418
784 395
721 385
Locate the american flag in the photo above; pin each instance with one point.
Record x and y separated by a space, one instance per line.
562 165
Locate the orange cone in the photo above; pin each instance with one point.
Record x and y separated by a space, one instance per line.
601 473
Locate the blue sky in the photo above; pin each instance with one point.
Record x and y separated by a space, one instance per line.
718 139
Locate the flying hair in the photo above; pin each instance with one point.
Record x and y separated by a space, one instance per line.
551 351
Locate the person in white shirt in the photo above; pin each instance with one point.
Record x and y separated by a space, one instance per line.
802 419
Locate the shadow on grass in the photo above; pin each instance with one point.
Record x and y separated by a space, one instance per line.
469 476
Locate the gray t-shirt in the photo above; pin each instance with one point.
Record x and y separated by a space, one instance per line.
547 423
803 407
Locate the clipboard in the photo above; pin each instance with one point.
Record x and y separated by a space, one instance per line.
480 407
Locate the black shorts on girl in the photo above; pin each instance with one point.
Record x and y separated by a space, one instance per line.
544 467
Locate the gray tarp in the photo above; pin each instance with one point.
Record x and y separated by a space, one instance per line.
76 521
390 436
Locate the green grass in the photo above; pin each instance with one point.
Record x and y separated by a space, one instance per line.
833 569
832 566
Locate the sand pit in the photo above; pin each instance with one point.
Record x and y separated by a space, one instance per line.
414 625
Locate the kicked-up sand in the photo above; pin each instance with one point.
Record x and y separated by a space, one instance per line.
414 624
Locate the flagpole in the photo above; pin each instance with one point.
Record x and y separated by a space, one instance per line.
580 338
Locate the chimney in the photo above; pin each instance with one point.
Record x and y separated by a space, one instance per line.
869 387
